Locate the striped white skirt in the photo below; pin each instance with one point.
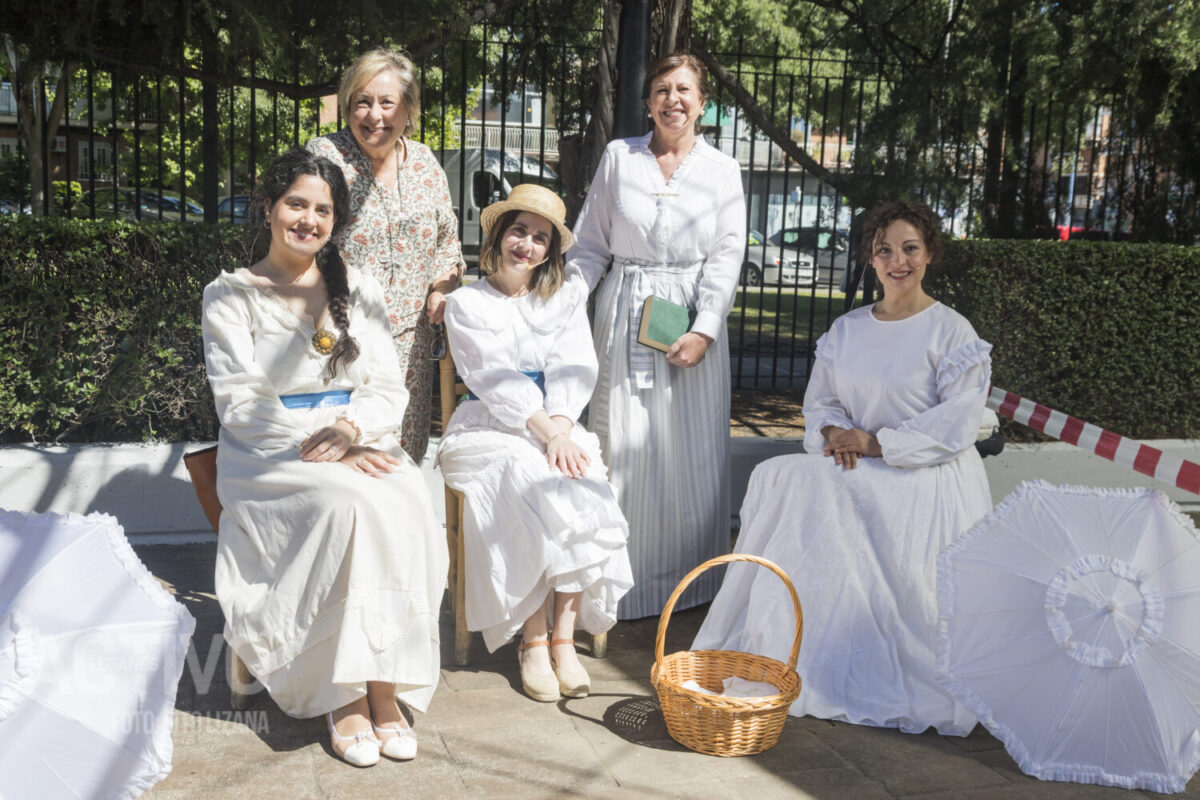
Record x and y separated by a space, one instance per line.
664 432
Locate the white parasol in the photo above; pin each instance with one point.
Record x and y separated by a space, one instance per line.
91 652
1068 624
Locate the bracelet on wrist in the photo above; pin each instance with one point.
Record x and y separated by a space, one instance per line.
357 431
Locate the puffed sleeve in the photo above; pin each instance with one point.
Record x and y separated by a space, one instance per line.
480 357
946 430
380 397
723 266
448 254
821 404
592 252
571 366
248 404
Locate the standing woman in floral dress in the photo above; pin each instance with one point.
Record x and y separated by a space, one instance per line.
402 231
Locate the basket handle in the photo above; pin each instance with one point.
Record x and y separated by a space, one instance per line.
726 559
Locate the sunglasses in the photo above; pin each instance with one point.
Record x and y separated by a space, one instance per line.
437 347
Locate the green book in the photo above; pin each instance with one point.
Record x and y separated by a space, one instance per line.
663 322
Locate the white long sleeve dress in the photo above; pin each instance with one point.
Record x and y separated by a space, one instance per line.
861 545
664 430
529 529
328 578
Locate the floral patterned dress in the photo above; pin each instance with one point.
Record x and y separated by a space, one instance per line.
405 236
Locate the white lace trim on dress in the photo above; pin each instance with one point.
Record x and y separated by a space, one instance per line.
958 361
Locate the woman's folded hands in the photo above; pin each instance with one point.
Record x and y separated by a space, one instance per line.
846 445
336 443
561 453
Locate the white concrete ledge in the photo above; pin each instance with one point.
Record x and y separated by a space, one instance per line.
1056 462
146 487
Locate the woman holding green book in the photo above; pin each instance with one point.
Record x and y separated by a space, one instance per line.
545 539
667 211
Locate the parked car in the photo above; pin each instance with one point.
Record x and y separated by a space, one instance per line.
148 204
829 248
101 203
173 202
768 264
235 209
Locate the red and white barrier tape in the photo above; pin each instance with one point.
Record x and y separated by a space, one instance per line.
1137 456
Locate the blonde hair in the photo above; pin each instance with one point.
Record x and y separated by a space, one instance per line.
548 277
370 64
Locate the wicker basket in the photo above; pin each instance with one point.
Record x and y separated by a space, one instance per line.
714 724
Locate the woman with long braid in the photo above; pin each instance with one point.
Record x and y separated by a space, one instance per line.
330 563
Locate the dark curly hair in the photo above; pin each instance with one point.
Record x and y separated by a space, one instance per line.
917 214
279 177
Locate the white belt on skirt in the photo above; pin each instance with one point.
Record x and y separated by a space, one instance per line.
643 365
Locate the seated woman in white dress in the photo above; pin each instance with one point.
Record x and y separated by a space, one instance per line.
545 538
891 414
330 562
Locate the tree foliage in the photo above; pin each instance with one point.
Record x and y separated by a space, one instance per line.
987 72
1016 83
278 57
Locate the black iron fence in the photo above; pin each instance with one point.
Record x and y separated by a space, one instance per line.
1055 166
496 108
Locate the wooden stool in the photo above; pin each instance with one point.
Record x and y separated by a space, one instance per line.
451 389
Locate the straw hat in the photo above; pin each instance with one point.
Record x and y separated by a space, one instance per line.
539 200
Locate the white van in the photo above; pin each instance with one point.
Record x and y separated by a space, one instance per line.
476 181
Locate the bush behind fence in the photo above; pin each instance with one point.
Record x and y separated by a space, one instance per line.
1105 331
99 328
100 336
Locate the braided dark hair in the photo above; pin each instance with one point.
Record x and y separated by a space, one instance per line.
284 172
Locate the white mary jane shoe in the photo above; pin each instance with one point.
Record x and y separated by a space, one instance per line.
402 746
365 750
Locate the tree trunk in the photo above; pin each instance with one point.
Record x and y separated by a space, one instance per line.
994 132
1014 141
578 154
774 132
35 156
36 127
670 28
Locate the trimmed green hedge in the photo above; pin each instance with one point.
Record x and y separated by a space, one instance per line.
99 328
100 339
1107 332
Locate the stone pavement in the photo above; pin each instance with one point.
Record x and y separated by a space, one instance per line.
482 738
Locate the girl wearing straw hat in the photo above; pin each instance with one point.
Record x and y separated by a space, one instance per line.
545 538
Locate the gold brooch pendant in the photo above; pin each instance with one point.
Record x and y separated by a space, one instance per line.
324 340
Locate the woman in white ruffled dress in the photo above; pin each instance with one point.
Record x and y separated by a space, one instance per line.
330 562
891 414
545 538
